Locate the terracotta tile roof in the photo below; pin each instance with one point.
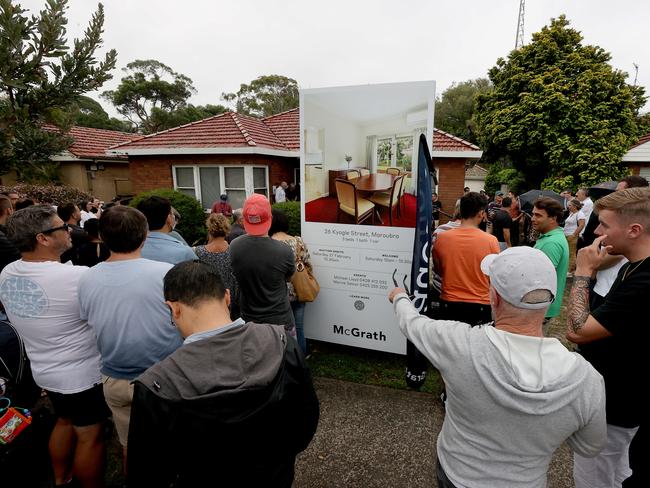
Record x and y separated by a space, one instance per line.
443 141
286 126
642 140
229 129
92 143
476 171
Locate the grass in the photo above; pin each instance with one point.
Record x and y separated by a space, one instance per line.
365 366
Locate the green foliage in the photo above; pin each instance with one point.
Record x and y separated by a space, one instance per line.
86 112
643 124
163 119
499 175
292 211
559 109
264 96
149 85
54 194
455 108
192 225
560 184
40 76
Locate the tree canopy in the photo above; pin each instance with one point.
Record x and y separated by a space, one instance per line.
86 112
264 96
149 86
558 111
40 77
455 108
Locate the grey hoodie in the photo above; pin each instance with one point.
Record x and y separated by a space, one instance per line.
512 400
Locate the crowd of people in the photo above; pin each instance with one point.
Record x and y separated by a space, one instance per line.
511 391
179 345
198 353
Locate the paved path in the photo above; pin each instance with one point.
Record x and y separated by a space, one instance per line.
371 436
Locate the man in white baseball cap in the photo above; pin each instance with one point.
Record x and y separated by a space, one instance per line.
513 396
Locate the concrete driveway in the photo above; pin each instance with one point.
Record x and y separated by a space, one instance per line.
370 436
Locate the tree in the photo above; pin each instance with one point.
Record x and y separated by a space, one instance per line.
162 119
87 112
558 111
264 96
148 86
455 108
39 78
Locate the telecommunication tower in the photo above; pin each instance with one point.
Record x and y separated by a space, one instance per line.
519 41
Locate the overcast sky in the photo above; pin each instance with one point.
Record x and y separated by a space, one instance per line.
222 43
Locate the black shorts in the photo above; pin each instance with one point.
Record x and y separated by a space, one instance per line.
85 408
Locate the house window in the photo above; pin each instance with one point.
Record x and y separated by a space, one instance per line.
206 183
396 152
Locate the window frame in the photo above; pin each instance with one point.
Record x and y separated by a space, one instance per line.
249 182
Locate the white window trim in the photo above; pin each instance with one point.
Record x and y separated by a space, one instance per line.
249 180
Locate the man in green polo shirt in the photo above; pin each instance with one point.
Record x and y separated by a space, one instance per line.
547 213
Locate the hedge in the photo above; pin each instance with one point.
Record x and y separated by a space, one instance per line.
54 194
192 225
292 211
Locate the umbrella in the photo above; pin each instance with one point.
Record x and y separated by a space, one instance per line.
602 189
527 200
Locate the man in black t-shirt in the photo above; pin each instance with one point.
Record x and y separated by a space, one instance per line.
501 223
614 336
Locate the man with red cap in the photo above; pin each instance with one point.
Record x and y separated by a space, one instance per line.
262 267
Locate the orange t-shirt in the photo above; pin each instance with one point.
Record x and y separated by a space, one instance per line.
457 255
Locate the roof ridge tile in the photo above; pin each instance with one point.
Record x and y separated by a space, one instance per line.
249 139
456 138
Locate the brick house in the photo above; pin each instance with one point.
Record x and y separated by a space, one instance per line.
451 157
638 157
87 166
227 153
238 155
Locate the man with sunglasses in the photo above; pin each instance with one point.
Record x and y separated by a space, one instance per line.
122 299
40 297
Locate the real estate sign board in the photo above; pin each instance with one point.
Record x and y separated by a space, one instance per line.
361 239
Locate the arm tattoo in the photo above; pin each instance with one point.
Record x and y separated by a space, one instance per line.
578 303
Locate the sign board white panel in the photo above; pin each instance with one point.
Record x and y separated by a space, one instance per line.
374 128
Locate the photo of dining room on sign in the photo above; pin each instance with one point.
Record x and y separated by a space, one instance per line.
360 152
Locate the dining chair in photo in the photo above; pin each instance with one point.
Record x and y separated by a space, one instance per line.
393 171
350 203
353 174
390 201
364 172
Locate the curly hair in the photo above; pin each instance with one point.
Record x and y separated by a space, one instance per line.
218 225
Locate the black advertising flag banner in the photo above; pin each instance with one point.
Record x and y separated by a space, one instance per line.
416 363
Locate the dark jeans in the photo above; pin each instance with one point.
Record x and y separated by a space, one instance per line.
468 313
298 309
443 481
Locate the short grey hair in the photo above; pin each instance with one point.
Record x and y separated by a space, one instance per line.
24 225
237 214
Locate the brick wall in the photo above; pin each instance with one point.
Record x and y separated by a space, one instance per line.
150 172
451 181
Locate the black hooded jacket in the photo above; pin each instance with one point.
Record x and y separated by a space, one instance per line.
231 410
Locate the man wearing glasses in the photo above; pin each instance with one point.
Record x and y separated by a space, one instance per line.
40 297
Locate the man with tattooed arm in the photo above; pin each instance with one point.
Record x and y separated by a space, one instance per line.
614 336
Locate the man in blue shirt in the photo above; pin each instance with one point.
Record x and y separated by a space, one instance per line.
160 246
122 300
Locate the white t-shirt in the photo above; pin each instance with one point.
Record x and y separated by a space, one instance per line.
86 216
41 301
605 278
571 223
280 195
587 208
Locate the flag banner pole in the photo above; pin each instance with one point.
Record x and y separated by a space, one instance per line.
416 363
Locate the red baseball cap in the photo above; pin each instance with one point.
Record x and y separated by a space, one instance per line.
257 215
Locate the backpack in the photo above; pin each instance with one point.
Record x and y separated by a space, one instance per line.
16 381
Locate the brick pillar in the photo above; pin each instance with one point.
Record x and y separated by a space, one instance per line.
451 181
